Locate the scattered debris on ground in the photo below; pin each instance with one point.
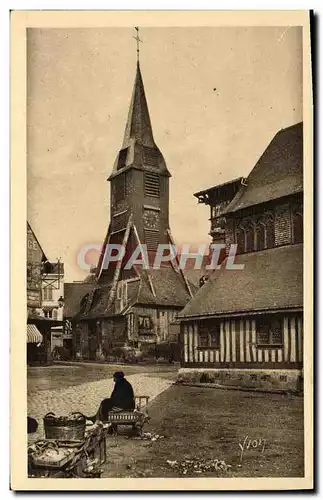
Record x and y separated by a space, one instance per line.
198 466
149 436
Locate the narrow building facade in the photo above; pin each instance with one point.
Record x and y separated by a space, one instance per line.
39 324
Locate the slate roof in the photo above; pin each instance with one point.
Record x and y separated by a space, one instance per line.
42 321
169 286
193 276
278 172
73 294
138 130
271 280
99 302
219 187
138 125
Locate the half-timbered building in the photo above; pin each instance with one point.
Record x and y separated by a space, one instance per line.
244 327
38 326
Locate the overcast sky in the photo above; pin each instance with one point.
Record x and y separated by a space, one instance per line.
216 98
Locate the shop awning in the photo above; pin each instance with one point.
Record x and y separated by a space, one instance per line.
33 335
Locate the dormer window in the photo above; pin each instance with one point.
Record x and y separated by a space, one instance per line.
122 158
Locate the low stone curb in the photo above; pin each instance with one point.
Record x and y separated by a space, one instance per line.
107 363
237 388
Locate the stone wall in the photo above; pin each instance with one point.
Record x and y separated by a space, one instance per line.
268 380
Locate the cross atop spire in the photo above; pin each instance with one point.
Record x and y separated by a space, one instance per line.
138 42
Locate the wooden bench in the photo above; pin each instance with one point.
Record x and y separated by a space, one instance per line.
136 418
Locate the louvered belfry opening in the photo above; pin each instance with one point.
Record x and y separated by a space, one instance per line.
151 239
150 156
152 184
119 221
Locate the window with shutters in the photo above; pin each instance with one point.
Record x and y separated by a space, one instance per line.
152 184
145 325
263 332
214 336
209 334
203 338
269 331
48 293
151 239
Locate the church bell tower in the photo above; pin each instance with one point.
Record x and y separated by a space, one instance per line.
140 178
136 303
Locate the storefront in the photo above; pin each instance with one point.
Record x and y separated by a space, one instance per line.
39 339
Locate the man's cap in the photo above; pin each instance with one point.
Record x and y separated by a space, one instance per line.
118 375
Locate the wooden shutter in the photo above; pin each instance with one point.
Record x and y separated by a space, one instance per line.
152 184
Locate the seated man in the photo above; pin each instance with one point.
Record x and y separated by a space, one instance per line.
122 398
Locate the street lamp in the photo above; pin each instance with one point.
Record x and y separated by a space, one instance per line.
60 301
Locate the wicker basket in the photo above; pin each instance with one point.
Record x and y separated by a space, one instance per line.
71 428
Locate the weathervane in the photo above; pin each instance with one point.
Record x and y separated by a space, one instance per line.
138 41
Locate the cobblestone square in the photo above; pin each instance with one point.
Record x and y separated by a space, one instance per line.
70 388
